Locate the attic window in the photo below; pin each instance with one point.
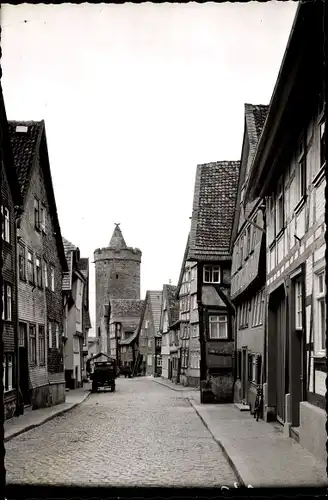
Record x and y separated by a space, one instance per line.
22 129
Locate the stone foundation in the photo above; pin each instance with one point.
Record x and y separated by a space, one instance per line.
222 388
312 430
10 405
193 381
48 395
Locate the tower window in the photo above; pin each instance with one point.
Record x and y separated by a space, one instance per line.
117 276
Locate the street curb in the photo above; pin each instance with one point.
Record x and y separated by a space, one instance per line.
189 389
224 451
47 419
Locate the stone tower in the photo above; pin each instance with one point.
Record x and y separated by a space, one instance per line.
117 273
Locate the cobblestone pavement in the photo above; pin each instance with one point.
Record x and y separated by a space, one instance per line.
144 434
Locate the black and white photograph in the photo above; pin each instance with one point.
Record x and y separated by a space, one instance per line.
163 250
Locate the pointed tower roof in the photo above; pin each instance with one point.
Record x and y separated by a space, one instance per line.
117 240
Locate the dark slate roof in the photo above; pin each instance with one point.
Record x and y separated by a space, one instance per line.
25 148
155 299
213 210
260 112
117 240
67 277
183 265
125 307
169 292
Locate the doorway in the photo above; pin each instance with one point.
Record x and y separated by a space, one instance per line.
23 364
244 375
278 305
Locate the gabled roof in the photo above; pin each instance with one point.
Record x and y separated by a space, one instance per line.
155 300
125 307
117 240
69 248
169 295
183 265
26 146
303 56
130 339
8 158
213 210
255 116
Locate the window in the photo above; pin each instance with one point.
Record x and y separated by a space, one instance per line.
195 331
5 224
301 171
149 360
159 361
158 342
149 343
184 358
22 262
248 241
193 273
36 214
32 344
146 324
320 312
194 301
52 273
42 346
322 145
57 335
298 304
6 302
30 267
243 315
46 283
211 274
38 272
280 209
22 334
50 335
43 218
218 327
254 234
258 309
8 372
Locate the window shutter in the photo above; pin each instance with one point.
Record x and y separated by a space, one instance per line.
258 368
250 365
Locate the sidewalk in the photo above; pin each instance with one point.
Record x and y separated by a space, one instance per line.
172 385
258 451
34 418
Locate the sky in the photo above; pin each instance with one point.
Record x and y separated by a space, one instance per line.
134 96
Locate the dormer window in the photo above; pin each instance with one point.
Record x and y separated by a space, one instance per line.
212 274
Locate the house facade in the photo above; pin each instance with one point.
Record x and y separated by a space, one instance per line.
169 316
76 314
41 263
248 270
15 374
209 247
189 346
289 172
149 325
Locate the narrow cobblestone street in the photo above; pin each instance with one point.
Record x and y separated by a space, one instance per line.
144 434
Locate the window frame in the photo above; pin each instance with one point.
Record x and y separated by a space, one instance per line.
298 303
42 349
45 271
279 204
211 322
6 233
22 261
49 335
36 213
38 271
7 387
211 269
301 170
7 301
43 217
320 298
52 278
32 348
57 335
30 268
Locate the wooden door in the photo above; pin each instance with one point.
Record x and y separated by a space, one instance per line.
281 365
23 364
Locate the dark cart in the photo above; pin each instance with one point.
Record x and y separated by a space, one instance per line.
104 375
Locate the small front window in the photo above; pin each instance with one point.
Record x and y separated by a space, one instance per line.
32 344
298 304
38 272
218 327
6 302
211 274
30 267
5 224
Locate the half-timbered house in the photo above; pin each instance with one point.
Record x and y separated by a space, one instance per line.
149 325
169 316
248 270
209 246
15 367
289 171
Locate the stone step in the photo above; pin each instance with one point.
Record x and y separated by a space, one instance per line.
242 407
